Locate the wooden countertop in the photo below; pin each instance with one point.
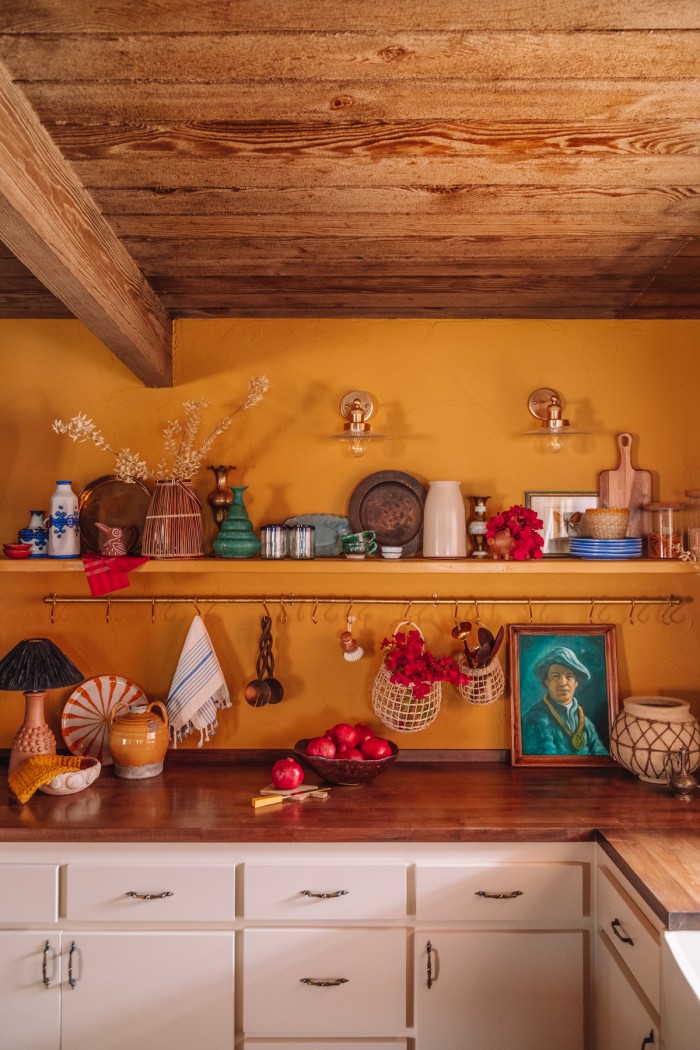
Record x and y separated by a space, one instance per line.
654 837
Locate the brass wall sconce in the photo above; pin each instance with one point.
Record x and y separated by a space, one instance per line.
545 404
356 407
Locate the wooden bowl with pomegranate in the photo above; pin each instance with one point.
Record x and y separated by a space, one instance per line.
346 772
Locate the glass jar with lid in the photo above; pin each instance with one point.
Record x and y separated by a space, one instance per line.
693 522
665 539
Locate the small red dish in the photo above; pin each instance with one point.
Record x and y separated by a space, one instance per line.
17 553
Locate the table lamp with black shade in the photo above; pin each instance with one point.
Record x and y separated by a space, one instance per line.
34 666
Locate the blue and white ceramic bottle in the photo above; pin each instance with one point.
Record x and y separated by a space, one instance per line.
63 523
36 534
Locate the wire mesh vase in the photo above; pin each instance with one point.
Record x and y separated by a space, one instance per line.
397 706
173 526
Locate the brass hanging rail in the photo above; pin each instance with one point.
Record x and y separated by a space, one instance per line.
669 602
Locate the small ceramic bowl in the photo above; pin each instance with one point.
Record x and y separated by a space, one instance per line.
17 550
391 552
72 781
346 772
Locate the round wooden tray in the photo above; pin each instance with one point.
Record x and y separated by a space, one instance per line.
391 504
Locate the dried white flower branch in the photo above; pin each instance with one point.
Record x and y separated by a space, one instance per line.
179 438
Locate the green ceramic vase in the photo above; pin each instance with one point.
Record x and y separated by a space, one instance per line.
236 537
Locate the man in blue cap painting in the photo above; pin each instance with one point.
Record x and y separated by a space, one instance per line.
557 724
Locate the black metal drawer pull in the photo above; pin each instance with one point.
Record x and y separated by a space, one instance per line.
616 926
324 896
324 982
649 1040
45 965
499 896
149 896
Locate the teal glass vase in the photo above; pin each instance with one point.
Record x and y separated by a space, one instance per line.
236 537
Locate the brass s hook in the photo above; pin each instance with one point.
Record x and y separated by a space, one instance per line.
153 608
267 611
53 608
529 609
632 605
109 606
407 614
666 617
456 612
477 619
591 611
283 611
314 613
196 606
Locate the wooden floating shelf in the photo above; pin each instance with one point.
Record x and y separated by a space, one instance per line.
374 567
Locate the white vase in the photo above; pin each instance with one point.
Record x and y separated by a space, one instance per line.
650 728
444 521
63 523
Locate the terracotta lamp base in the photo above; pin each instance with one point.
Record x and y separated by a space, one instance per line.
34 736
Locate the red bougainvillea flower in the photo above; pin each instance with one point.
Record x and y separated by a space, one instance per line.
523 525
411 664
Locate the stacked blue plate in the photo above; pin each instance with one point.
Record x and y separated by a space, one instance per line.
607 550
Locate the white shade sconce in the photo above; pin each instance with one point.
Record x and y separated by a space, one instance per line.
545 404
356 408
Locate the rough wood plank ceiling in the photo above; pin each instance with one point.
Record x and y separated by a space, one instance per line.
408 158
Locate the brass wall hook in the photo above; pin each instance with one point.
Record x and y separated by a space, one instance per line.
591 611
407 613
107 610
283 611
153 608
632 604
667 615
267 611
477 618
314 612
53 608
529 609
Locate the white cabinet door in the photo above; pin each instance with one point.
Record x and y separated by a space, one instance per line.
30 1010
498 991
146 990
623 1020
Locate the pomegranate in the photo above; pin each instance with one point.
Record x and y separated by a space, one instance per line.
322 746
343 734
376 747
363 732
350 753
287 774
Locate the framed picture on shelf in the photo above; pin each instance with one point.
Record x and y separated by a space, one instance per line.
562 514
564 695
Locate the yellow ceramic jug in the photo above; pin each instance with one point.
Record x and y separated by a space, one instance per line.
138 740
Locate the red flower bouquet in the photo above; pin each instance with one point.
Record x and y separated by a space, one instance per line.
522 524
411 664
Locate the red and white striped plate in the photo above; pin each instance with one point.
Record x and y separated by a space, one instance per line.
85 718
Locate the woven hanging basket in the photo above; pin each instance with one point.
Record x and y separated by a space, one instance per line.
485 684
397 707
173 526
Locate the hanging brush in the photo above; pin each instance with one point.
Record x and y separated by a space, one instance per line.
352 650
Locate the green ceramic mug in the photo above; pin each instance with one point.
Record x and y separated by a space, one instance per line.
358 544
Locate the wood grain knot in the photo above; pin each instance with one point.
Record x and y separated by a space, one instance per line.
342 102
395 52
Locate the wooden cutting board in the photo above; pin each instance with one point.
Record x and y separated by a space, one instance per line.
626 487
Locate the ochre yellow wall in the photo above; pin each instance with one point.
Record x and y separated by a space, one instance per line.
451 395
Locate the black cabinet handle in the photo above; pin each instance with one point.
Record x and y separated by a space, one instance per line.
649 1040
616 927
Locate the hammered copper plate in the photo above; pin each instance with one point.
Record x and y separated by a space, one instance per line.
391 503
113 502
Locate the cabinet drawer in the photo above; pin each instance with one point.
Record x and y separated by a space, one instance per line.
324 891
150 893
28 893
325 1044
344 981
630 933
540 893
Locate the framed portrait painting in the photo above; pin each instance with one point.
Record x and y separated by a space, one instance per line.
562 517
564 694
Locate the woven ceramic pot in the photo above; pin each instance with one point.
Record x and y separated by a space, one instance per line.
650 728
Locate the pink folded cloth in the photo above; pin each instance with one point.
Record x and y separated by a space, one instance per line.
109 574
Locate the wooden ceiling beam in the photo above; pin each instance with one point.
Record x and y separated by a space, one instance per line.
52 225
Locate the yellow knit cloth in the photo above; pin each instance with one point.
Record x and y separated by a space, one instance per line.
38 770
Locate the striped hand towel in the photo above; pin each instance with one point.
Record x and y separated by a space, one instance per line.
198 688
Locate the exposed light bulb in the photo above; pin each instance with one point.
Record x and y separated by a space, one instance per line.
555 442
357 447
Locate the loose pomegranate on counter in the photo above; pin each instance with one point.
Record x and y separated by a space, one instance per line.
287 774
